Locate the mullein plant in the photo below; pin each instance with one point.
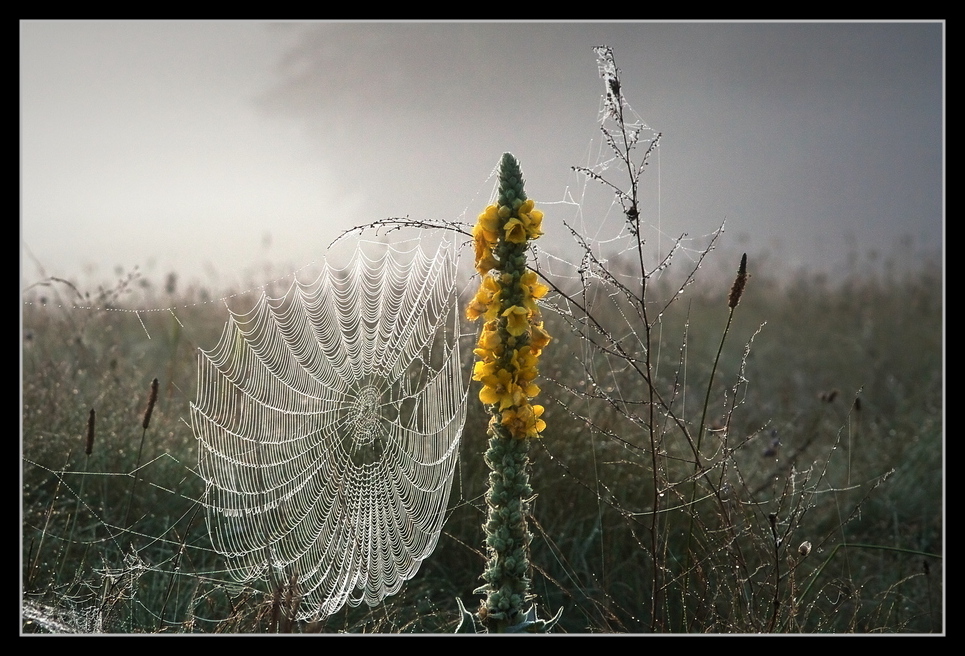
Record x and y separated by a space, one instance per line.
509 347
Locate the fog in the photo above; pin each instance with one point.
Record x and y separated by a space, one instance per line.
218 150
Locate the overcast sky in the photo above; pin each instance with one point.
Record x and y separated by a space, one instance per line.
214 148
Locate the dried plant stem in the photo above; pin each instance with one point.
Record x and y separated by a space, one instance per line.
776 602
88 449
152 400
43 533
736 290
73 521
852 545
177 565
137 466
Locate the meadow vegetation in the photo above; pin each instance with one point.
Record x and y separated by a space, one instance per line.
833 421
772 463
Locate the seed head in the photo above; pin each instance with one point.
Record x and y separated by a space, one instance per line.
90 433
739 282
150 405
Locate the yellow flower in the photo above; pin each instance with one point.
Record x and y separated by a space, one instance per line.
517 320
484 368
524 421
532 289
531 218
486 300
539 338
540 424
483 248
531 390
515 231
474 310
501 389
534 225
524 361
489 221
490 339
513 337
531 281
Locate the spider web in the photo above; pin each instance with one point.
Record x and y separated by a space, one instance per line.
329 422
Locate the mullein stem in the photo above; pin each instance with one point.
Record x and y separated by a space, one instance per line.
510 344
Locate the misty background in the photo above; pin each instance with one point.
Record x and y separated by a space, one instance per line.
215 149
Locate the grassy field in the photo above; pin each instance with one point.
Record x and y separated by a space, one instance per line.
773 465
816 506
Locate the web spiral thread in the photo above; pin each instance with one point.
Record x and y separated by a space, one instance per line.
328 422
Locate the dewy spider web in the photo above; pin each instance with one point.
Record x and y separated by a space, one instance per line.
329 422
